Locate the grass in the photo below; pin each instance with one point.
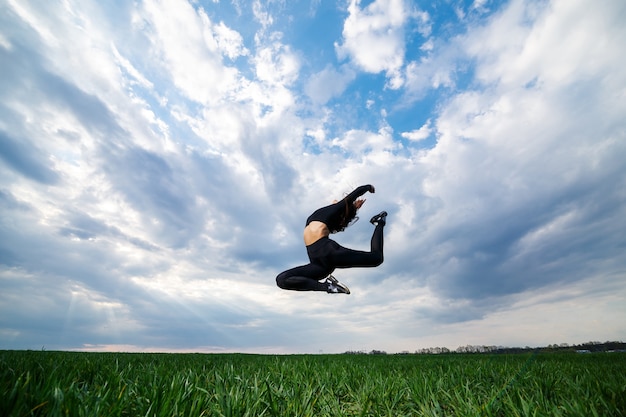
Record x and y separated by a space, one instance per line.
115 384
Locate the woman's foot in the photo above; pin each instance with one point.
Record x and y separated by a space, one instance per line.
336 287
380 218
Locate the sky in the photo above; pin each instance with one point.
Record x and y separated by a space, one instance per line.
159 158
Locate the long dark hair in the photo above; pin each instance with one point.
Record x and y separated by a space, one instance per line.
348 217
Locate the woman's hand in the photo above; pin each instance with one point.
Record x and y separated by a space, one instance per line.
358 203
372 189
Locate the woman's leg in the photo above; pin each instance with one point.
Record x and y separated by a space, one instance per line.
303 278
341 257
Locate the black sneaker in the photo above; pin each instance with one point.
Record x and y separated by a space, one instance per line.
380 218
336 287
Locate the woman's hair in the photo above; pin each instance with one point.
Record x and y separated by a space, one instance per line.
348 216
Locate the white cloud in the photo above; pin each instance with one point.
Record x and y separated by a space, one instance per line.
276 63
229 41
419 134
550 51
128 67
261 15
478 4
434 70
364 143
328 83
373 37
190 44
424 23
428 45
35 21
4 42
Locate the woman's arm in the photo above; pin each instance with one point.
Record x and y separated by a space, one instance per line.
358 192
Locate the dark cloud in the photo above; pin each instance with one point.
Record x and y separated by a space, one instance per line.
26 78
82 226
26 159
153 187
565 238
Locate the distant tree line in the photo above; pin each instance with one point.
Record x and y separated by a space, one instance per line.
588 347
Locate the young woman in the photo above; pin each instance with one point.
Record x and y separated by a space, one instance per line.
326 254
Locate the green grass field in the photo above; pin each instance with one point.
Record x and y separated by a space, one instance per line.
115 384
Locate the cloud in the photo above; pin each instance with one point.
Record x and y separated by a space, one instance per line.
150 185
192 47
373 37
430 72
496 148
26 159
262 16
229 41
328 83
418 134
276 64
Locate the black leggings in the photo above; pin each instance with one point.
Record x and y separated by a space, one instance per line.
326 255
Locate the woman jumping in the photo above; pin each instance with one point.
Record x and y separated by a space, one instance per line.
326 254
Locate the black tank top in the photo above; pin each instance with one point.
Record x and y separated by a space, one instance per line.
331 215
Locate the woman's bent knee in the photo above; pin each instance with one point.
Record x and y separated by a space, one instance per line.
281 280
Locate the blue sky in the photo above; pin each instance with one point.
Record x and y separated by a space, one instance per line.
158 160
